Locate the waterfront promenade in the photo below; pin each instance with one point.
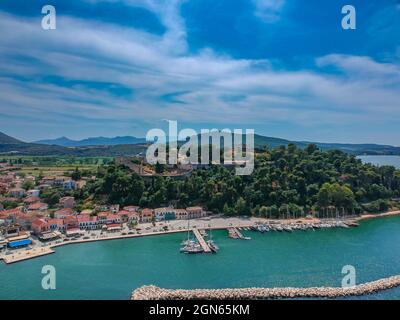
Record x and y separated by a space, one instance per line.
147 229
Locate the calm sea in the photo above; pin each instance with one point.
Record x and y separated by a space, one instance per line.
382 160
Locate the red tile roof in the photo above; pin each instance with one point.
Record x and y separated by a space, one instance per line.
39 223
147 212
84 218
31 199
37 206
58 222
64 212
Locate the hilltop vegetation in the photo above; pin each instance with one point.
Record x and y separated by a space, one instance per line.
286 179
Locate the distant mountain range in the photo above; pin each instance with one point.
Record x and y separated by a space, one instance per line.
12 146
95 141
120 146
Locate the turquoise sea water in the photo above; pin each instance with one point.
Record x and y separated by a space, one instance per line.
112 269
382 160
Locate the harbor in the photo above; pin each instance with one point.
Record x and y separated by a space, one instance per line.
193 245
113 269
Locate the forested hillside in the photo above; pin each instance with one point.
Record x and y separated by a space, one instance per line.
286 179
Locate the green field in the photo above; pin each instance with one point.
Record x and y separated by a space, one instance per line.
32 165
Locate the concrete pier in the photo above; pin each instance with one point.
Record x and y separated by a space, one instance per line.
26 254
201 241
236 234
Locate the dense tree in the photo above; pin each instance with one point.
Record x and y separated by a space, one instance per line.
286 182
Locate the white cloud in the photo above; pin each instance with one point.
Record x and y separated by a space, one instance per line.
365 90
268 10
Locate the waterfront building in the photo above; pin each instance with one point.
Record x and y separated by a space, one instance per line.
86 222
195 212
164 214
25 219
49 235
181 214
74 232
113 219
71 222
115 227
146 215
39 226
11 230
56 224
19 241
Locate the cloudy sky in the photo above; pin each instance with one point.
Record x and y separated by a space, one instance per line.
121 67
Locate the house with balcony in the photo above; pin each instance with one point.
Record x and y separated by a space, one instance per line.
195 212
56 224
146 215
181 214
86 222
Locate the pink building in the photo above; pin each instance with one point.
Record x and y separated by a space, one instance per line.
39 226
56 224
146 215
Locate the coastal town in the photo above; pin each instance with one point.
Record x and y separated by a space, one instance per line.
35 223
33 227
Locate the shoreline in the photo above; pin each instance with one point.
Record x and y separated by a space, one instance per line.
240 223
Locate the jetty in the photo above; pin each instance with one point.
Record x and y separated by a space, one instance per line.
155 293
201 241
234 233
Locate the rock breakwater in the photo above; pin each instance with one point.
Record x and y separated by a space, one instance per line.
155 293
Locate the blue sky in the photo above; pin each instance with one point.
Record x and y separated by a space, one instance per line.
285 68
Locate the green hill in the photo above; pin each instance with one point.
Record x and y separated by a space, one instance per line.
5 139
